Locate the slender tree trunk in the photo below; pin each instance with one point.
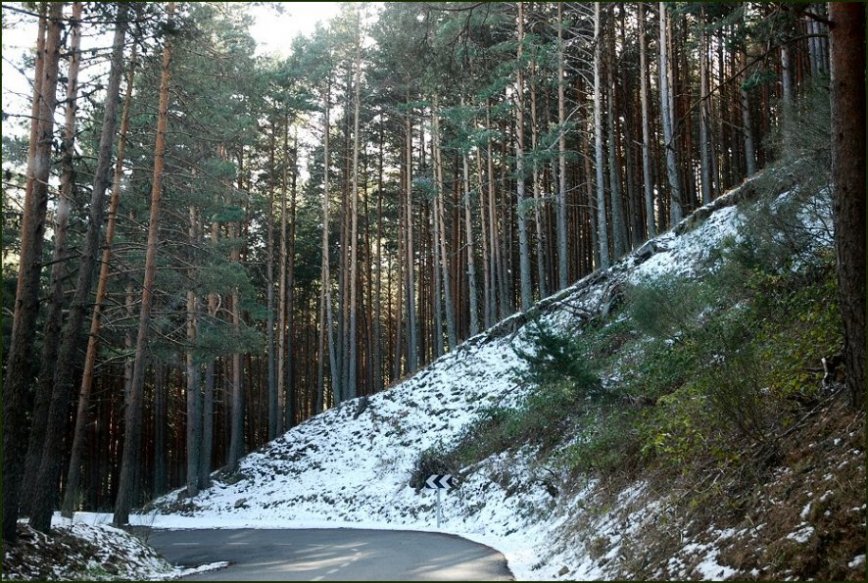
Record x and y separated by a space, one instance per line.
619 227
160 427
440 236
520 207
194 399
435 276
647 179
19 363
472 290
704 154
410 292
53 452
488 292
127 487
351 388
747 129
269 292
283 332
537 191
847 49
73 479
563 253
675 212
236 423
602 234
325 326
496 273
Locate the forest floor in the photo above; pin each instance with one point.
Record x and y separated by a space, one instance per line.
654 486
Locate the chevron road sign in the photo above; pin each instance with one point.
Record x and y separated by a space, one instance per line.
440 482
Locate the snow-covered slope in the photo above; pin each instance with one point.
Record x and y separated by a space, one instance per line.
352 465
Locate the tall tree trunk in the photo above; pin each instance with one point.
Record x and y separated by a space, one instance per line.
472 290
53 452
602 235
161 408
127 486
448 306
496 273
410 291
537 190
325 323
619 227
236 423
269 291
747 128
647 180
54 318
282 294
675 212
704 154
488 291
19 363
351 388
847 49
437 290
563 253
520 204
194 399
73 478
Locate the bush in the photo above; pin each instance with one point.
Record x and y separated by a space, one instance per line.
555 359
664 308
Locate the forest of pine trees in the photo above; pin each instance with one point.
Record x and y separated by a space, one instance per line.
203 248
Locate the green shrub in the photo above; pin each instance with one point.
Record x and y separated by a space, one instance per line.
556 358
666 307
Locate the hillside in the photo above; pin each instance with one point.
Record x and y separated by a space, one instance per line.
649 475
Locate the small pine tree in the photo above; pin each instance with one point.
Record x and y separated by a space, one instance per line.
556 358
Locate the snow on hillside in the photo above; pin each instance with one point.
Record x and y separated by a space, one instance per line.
351 465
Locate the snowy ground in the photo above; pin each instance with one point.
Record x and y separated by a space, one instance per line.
87 549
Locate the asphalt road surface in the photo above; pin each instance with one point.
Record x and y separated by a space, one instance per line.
330 555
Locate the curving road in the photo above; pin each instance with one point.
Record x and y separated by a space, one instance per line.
330 555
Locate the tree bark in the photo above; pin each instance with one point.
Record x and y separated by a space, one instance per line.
19 363
351 388
602 235
675 212
704 154
650 224
847 50
563 254
194 399
520 204
127 486
269 291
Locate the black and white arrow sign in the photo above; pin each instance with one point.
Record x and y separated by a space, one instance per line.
440 482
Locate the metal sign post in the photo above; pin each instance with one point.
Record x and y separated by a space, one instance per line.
440 482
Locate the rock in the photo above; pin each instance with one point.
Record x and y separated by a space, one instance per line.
241 503
563 571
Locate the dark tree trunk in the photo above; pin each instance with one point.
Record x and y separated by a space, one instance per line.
127 486
19 364
848 179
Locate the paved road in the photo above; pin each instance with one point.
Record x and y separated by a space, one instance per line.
330 555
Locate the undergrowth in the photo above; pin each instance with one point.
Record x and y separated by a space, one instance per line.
690 376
